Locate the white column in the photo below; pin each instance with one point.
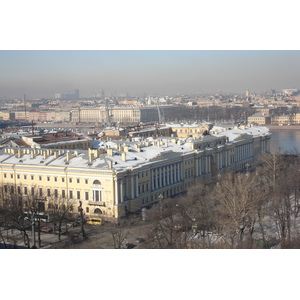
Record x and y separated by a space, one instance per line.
200 166
160 176
228 158
122 190
168 177
116 192
156 177
127 187
152 178
137 185
132 187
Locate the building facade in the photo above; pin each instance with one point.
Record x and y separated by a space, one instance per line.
124 177
260 119
122 114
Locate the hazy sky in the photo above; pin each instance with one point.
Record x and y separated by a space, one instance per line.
44 73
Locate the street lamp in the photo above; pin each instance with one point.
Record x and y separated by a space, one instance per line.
247 167
160 197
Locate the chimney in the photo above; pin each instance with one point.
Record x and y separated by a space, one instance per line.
110 152
45 154
69 156
91 156
124 156
109 164
20 153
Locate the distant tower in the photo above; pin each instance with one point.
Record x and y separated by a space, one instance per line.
248 98
76 94
149 100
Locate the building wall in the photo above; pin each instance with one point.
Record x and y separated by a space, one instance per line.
129 189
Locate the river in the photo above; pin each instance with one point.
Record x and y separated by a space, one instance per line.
287 140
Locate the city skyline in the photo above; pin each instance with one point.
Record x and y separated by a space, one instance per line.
40 74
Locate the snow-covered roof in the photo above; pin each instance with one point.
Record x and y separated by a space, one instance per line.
120 155
237 132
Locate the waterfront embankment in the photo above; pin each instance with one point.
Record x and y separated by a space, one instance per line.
283 127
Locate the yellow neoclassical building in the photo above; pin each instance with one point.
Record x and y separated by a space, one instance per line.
123 177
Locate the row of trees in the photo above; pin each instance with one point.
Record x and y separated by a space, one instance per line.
257 209
27 213
211 114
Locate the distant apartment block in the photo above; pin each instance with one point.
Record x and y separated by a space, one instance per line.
293 119
133 114
7 116
42 116
72 96
59 140
189 130
260 119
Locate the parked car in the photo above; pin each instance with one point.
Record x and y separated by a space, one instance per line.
45 229
95 221
139 240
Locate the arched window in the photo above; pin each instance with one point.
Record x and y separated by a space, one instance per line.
98 211
97 191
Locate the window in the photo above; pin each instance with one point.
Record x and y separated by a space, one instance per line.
87 210
18 176
55 193
63 193
48 178
55 178
48 192
86 196
11 189
25 176
5 189
19 190
62 179
4 175
70 180
32 177
86 181
40 178
78 180
32 191
71 194
41 192
11 176
25 190
78 195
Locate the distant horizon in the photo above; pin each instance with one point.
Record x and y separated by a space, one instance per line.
43 73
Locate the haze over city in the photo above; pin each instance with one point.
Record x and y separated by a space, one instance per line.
44 73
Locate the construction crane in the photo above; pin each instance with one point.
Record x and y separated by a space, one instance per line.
161 116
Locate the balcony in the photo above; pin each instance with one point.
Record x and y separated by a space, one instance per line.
98 203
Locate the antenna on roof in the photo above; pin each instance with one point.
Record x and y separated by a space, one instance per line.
25 108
